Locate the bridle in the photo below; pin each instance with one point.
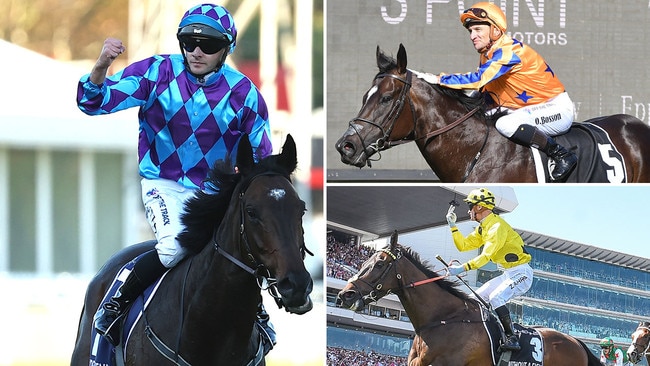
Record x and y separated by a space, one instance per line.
377 287
385 143
258 270
638 346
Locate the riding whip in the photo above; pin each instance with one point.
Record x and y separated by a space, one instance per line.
439 257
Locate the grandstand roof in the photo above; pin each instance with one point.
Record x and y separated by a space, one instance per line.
584 251
375 211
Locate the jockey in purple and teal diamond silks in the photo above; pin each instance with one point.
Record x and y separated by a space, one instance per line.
193 110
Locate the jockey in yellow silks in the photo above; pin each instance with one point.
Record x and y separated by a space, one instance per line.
501 245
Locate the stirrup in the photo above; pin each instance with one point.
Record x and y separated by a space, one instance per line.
112 332
569 162
511 343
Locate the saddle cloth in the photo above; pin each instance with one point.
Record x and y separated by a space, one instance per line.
102 352
532 350
598 158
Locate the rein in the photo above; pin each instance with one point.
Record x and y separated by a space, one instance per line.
262 277
374 296
260 272
384 142
379 286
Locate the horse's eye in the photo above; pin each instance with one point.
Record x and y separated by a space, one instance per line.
385 99
251 213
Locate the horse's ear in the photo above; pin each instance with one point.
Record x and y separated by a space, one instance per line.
288 158
393 240
245 160
380 58
401 59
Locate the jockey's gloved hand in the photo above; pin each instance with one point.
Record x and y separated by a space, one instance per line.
456 269
429 78
451 219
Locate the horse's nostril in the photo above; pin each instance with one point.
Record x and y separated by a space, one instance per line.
348 148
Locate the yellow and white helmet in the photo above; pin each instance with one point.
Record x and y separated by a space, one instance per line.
481 197
484 12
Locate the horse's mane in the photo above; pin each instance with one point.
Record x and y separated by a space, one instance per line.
468 101
425 267
205 211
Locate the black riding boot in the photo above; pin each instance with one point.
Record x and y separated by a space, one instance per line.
266 327
146 270
511 343
564 159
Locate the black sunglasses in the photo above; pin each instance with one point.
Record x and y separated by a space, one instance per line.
208 46
471 205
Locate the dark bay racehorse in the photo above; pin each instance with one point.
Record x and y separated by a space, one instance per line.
455 136
640 344
448 323
247 237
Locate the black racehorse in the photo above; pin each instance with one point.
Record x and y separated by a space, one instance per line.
246 238
460 142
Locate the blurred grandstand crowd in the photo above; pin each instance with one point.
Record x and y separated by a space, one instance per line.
347 357
345 259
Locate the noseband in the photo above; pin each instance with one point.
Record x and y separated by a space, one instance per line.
260 271
384 142
378 286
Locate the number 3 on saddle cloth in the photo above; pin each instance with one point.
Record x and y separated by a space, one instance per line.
598 159
532 349
102 352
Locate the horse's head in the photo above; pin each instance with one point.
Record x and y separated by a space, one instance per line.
640 343
381 120
377 277
270 225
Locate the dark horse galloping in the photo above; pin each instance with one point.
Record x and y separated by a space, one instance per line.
246 237
449 329
458 140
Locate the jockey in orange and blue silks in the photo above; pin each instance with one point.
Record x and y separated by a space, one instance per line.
516 78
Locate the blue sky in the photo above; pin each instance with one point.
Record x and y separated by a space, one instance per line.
611 217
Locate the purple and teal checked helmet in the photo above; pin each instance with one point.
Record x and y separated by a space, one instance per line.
209 20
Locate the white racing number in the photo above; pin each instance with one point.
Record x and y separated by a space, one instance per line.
536 346
616 173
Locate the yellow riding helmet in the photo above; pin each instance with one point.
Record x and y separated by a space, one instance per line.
482 197
484 12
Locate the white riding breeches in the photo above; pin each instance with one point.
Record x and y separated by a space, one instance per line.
513 282
553 117
163 204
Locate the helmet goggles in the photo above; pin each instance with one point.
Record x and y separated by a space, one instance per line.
210 40
207 45
474 15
